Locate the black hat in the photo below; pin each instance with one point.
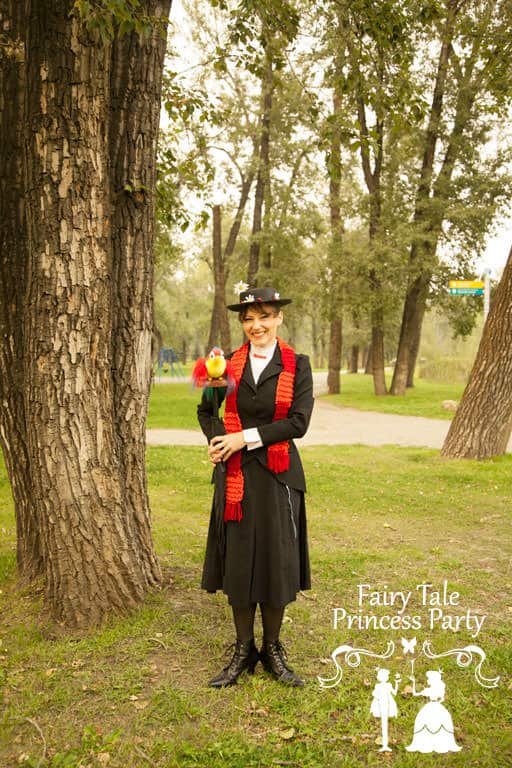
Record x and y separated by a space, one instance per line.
267 295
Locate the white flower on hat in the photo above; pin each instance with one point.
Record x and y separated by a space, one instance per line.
239 287
248 299
276 295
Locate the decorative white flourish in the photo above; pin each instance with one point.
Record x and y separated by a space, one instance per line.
248 298
241 286
464 659
352 659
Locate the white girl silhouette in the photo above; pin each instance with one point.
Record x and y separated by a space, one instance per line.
384 704
433 727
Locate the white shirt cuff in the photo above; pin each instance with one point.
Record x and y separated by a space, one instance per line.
252 438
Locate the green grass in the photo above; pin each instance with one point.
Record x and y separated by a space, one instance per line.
133 693
173 406
424 399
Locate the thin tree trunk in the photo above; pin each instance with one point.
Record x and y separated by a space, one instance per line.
416 290
368 365
415 341
336 252
373 184
323 346
13 263
315 341
333 376
91 542
483 421
219 324
263 175
354 359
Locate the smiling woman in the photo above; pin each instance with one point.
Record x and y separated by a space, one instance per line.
260 323
257 549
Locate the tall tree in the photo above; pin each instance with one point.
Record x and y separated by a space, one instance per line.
334 165
219 328
13 258
85 312
472 82
482 424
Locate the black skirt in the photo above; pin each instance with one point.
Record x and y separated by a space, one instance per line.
263 558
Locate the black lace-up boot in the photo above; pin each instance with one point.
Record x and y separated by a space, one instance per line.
245 658
274 659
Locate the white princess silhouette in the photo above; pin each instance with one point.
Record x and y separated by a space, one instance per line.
433 727
383 703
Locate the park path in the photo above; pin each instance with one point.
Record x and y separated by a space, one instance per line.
331 425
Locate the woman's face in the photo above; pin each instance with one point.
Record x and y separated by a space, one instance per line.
260 325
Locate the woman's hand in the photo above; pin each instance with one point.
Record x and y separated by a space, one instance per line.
223 446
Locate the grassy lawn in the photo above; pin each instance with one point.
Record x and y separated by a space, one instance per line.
134 693
424 399
173 406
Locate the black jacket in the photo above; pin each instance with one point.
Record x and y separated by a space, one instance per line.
256 406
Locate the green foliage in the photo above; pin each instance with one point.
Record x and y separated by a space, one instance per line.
108 18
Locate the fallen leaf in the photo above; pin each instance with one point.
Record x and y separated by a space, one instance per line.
103 757
288 734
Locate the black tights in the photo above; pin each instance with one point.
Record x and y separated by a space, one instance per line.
271 616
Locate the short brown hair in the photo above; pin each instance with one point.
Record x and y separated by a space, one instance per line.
259 307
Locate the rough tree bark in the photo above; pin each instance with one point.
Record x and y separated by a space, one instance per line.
483 421
13 256
135 99
86 323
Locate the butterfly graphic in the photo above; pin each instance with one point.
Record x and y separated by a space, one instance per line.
408 645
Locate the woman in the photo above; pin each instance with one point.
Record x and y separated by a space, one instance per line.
258 554
433 727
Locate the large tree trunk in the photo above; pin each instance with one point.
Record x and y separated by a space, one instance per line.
135 99
263 176
219 326
13 262
482 424
87 468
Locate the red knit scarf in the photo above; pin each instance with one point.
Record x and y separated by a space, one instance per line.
278 459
